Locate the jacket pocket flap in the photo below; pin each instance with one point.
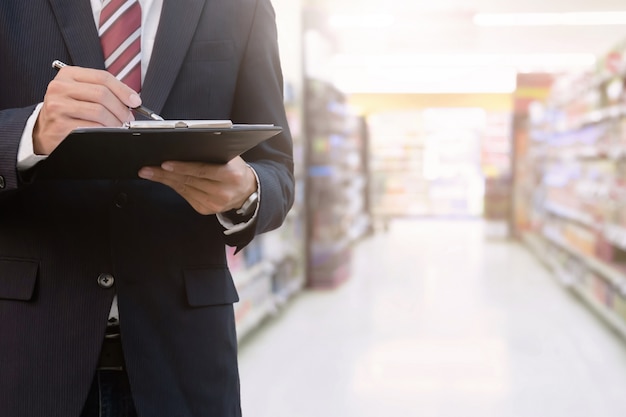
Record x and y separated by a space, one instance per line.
17 279
210 286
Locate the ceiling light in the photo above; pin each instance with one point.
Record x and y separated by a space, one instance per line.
551 19
430 80
445 73
556 60
363 21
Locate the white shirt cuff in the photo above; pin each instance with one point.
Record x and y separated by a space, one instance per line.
26 157
231 227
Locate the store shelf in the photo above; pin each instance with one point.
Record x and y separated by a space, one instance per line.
615 322
570 214
616 235
254 317
256 301
612 274
244 276
594 117
539 247
288 291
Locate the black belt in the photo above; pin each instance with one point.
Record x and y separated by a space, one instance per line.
112 355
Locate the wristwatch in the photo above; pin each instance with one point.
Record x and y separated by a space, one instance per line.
249 205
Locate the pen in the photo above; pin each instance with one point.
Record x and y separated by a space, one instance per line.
56 64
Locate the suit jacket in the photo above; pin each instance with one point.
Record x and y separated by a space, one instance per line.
212 59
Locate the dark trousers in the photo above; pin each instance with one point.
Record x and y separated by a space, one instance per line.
109 396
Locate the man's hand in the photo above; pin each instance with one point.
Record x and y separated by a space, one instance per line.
81 97
209 188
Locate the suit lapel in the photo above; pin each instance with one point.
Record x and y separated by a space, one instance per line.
177 25
179 19
79 30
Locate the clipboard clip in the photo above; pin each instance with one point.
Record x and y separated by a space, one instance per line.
178 125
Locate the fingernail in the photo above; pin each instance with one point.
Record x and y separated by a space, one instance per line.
168 166
134 100
146 173
131 116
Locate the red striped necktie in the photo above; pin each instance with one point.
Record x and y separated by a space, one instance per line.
120 36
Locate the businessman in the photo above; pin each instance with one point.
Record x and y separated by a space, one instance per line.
115 296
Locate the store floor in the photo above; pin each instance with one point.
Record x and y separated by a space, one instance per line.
436 321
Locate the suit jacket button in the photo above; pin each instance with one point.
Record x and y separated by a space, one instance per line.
106 280
2 182
120 200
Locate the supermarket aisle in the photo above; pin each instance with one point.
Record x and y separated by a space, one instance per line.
436 322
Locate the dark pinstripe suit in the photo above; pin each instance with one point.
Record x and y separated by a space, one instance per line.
212 59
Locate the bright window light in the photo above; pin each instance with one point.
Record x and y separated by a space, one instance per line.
551 19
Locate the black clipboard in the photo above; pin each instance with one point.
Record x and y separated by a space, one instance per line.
119 153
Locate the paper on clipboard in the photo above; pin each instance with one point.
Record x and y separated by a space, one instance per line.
178 124
119 152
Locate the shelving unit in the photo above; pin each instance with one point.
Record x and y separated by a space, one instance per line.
271 269
496 163
574 176
337 184
267 273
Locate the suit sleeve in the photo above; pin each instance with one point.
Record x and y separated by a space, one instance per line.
259 99
12 122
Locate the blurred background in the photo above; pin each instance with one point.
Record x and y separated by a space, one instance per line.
458 242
